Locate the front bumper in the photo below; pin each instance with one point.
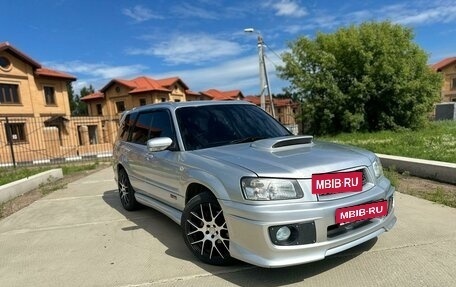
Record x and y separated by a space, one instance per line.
250 241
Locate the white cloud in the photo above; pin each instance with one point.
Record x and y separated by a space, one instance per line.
288 8
187 10
140 13
239 74
191 48
95 74
98 70
439 14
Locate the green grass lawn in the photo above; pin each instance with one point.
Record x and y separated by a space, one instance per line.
435 142
8 175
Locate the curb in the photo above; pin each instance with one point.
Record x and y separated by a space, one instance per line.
14 189
430 169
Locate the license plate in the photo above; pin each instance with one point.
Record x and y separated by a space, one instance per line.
337 182
361 212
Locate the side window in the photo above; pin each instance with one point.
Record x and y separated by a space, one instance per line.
152 125
125 127
161 125
140 132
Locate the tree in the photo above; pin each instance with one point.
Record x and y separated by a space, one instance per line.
71 97
361 78
81 107
78 107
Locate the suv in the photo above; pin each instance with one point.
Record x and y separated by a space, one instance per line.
243 186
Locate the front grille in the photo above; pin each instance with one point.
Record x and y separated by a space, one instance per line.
366 185
339 229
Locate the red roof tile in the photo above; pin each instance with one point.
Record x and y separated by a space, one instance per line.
443 63
39 70
168 82
223 96
94 96
53 73
6 46
146 84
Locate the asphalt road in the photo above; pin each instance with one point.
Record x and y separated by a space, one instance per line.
80 236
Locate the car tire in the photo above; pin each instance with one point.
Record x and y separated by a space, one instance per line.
126 192
205 231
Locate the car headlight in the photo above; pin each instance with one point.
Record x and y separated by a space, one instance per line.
378 169
270 189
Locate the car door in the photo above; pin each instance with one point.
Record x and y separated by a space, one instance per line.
156 174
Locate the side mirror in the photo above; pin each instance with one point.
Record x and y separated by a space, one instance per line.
158 144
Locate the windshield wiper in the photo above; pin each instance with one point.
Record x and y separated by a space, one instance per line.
246 140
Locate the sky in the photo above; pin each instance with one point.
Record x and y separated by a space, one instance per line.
202 42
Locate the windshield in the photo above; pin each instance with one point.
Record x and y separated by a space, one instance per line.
217 125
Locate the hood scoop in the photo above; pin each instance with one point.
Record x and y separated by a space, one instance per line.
283 143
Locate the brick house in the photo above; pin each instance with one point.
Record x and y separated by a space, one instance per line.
35 121
286 109
120 94
447 67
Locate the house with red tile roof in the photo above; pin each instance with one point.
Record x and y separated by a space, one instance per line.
35 115
287 111
119 94
447 67
29 89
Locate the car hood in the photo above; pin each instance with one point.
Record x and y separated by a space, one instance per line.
295 160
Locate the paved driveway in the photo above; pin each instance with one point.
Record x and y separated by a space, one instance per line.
80 236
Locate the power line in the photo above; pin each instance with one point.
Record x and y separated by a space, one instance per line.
270 49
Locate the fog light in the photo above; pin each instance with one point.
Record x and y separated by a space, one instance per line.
283 233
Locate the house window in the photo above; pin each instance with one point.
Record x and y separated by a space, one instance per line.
15 132
453 84
163 100
99 110
49 95
9 94
177 101
142 102
5 64
120 106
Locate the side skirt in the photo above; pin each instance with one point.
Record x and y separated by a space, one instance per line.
167 210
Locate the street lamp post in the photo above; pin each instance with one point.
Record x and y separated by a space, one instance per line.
264 80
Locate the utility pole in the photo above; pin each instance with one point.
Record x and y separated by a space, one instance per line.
264 80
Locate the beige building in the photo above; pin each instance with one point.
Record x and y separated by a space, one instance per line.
447 67
36 125
120 95
286 111
35 118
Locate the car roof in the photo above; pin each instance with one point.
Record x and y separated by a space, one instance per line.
175 105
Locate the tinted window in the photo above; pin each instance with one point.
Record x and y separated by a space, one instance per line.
209 126
151 125
125 126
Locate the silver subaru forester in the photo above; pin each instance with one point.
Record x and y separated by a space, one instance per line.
242 186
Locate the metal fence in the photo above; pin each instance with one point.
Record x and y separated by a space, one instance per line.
28 141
